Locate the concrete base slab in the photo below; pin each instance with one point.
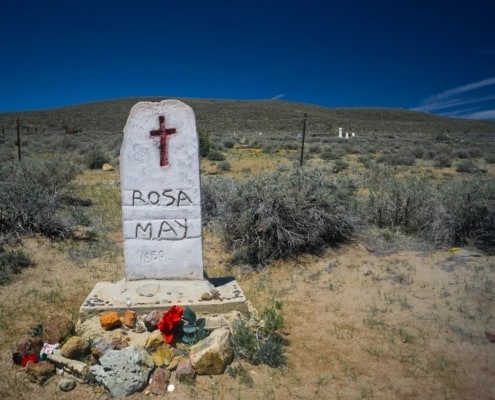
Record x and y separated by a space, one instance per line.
213 296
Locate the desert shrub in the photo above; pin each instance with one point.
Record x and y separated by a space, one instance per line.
402 158
32 197
228 143
281 214
328 154
261 343
406 204
340 165
490 158
462 154
215 155
95 158
269 148
366 160
468 213
442 160
314 149
12 262
466 166
225 166
204 142
418 152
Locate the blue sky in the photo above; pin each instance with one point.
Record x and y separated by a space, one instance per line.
433 56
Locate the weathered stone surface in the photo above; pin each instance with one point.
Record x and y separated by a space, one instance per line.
130 318
213 354
161 205
27 345
110 320
151 320
40 372
185 371
222 320
67 384
159 381
75 348
124 372
56 328
76 368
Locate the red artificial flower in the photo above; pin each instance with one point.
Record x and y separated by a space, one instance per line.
27 358
169 322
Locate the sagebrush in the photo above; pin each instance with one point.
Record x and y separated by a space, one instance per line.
280 214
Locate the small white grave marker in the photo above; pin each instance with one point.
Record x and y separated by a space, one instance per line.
340 132
160 183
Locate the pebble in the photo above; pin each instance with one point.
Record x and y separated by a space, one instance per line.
66 384
206 296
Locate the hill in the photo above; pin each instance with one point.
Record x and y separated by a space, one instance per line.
224 116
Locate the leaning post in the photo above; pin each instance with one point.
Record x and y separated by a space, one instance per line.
302 142
18 140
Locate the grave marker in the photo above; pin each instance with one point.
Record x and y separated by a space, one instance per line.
161 193
161 214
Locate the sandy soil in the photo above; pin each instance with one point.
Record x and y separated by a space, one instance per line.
359 323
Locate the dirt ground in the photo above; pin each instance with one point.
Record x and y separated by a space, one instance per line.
361 322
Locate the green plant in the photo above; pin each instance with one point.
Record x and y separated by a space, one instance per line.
193 328
262 343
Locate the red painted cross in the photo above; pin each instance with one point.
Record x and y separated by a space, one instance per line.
164 133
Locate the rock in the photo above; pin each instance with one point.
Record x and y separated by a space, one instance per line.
162 355
56 328
101 347
213 354
119 343
159 381
212 170
110 320
75 348
185 371
222 320
129 318
76 368
154 340
40 372
27 346
123 372
107 167
151 320
206 296
67 384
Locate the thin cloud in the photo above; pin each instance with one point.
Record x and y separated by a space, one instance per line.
278 96
450 101
461 89
487 114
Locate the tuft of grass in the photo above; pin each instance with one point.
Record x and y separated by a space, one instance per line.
12 262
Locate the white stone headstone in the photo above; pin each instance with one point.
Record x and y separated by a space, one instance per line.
347 135
353 134
340 132
160 184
